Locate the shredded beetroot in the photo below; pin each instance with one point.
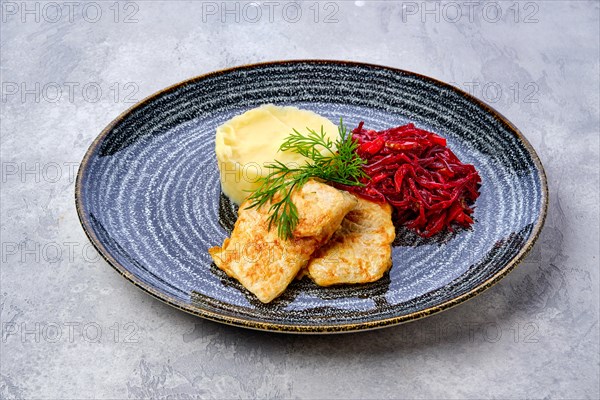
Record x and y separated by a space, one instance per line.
419 176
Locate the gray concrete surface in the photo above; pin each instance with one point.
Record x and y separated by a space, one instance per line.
73 328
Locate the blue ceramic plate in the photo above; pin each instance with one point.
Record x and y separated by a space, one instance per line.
149 198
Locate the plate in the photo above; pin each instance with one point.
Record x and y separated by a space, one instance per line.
149 199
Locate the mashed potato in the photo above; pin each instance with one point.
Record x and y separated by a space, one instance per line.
247 142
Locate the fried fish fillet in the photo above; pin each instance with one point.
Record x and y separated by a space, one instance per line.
359 251
266 264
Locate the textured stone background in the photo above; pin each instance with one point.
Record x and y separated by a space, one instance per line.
73 328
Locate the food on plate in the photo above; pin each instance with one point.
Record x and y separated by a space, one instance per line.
325 206
246 142
360 249
326 160
413 170
263 262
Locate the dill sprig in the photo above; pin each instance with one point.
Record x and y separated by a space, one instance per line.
329 161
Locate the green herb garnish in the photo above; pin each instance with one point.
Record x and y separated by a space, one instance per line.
332 162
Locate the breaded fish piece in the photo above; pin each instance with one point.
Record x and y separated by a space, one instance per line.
266 264
359 251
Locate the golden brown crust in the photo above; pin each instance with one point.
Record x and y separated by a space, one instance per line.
359 251
266 264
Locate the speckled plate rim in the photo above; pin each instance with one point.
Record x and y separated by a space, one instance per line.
195 309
